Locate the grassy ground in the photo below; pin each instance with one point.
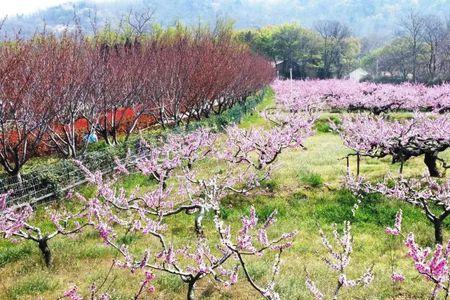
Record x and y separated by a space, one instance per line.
306 190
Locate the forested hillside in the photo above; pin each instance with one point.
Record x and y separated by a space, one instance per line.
364 17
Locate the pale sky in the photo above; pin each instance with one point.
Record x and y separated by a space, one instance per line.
13 7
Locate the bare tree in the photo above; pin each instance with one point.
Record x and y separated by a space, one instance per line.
412 27
2 22
334 35
140 21
25 105
433 36
444 53
93 21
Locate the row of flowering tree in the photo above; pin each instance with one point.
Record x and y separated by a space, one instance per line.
349 95
425 135
55 91
236 163
182 186
377 136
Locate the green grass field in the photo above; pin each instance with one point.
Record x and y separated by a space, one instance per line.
306 190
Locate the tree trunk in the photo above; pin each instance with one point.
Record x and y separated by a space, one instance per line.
438 232
358 163
430 161
198 222
191 290
46 253
336 291
18 177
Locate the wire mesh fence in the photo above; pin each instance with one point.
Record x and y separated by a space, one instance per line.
54 180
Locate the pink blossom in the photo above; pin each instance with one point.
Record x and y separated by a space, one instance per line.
431 264
311 286
72 294
397 226
397 277
121 167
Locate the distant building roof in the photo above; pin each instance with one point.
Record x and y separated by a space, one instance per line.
358 74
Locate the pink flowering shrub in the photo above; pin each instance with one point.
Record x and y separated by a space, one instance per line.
16 223
432 265
73 294
431 195
337 260
397 225
397 277
238 166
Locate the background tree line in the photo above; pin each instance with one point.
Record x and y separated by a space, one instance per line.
419 52
329 50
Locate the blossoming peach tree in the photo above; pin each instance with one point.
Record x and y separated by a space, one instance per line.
430 195
16 224
337 260
378 137
431 264
235 166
